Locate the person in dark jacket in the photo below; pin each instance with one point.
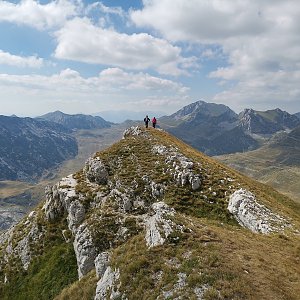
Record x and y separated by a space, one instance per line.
153 122
146 121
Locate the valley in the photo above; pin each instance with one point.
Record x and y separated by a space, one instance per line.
17 197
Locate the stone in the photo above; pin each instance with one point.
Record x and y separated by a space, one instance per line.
253 215
158 226
95 171
108 283
132 131
59 197
85 250
76 214
101 263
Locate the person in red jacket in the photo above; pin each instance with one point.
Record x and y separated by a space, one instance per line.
153 122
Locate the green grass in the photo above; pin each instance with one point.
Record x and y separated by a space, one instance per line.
47 275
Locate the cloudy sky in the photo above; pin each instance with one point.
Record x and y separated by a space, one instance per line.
159 55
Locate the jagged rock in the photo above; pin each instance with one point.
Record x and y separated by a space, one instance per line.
133 130
158 226
101 263
253 215
195 182
95 171
76 214
180 166
84 250
157 189
124 203
200 291
59 197
22 249
106 283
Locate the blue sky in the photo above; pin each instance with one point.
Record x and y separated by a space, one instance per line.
156 55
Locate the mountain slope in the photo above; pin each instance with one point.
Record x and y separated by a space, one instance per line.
29 147
211 128
152 218
277 163
78 121
267 122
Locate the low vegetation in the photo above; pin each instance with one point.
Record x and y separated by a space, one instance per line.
208 256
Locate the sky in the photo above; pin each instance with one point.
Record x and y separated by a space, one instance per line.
83 56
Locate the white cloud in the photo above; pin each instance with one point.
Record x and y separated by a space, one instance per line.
260 39
40 16
106 9
70 91
80 40
20 61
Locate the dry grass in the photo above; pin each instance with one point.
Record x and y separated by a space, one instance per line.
83 289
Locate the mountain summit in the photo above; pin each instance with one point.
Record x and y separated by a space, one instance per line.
267 122
152 218
78 121
211 128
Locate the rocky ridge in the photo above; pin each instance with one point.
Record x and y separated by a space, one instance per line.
142 190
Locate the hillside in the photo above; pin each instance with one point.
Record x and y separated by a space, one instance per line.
29 147
78 121
277 163
152 218
17 198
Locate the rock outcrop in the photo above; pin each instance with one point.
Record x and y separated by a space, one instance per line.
253 215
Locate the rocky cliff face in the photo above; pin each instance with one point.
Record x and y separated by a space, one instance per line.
29 147
148 218
267 122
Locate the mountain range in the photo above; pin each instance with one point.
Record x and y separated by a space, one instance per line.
152 218
215 129
77 121
30 146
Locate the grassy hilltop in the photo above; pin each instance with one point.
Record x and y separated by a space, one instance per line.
110 208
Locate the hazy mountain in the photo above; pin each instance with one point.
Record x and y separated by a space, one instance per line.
78 121
297 115
119 116
209 127
267 122
152 218
30 146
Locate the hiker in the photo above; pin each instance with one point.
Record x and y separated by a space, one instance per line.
153 122
146 120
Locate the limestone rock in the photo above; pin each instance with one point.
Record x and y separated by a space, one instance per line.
59 197
84 250
101 263
76 214
253 215
108 283
95 171
133 130
158 226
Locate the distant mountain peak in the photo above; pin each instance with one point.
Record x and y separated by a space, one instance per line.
77 121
